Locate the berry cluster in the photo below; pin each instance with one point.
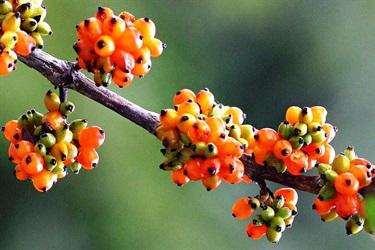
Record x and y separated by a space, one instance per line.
300 141
43 145
339 197
22 27
203 140
277 213
116 48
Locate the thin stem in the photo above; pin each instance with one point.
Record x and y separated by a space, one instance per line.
65 75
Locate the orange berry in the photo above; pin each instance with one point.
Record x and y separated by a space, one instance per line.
9 128
170 138
156 46
169 118
179 177
231 147
146 27
182 96
131 40
346 183
44 180
282 149
241 208
20 173
237 115
25 43
193 169
6 63
103 13
22 148
362 174
54 118
329 154
323 207
123 60
188 106
186 122
104 46
237 175
266 138
89 29
210 167
296 162
122 78
216 124
32 163
346 205
330 131
256 232
88 157
114 26
315 151
200 131
205 100
92 137
292 114
212 183
290 195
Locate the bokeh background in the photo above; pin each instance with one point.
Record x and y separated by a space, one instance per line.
261 56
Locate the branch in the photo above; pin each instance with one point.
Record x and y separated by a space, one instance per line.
64 74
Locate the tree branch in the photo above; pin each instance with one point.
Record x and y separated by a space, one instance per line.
64 74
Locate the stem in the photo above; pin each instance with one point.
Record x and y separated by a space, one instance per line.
65 75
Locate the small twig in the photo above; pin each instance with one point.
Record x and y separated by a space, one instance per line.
64 74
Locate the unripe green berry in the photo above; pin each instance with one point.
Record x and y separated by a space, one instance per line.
48 139
341 163
284 212
285 130
299 129
267 213
277 224
272 235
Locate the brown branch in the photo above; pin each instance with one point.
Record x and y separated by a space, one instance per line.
65 74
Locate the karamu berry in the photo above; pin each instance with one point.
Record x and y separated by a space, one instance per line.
116 48
44 146
22 28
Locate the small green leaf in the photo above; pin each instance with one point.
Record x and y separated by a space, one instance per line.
370 208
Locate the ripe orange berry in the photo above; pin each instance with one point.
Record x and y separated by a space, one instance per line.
114 27
296 162
346 183
122 78
32 163
212 183
205 100
169 118
210 167
346 205
215 124
256 232
237 175
8 129
131 40
200 131
123 60
6 63
282 149
330 131
314 150
323 207
22 148
146 27
103 13
44 180
329 154
186 122
20 173
179 177
188 106
241 208
290 195
237 115
266 138
193 169
25 43
92 137
362 174
156 46
89 29
292 114
54 118
104 46
182 96
88 157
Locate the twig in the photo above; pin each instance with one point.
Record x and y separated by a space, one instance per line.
64 74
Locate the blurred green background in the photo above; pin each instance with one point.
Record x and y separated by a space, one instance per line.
261 56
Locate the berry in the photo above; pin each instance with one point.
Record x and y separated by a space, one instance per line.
241 209
92 137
